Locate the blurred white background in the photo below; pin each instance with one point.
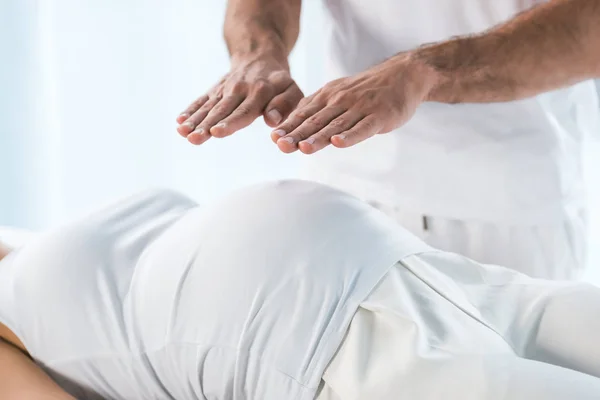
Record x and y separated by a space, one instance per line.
89 91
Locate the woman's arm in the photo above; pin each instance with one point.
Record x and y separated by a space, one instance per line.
553 45
4 250
22 379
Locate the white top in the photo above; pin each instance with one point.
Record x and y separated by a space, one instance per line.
154 298
515 162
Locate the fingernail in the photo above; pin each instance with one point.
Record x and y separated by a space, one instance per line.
188 124
220 125
274 116
199 131
310 140
280 132
287 139
184 115
341 137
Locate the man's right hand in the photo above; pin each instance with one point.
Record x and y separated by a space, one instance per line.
255 87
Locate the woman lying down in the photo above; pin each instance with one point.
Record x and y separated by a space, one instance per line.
282 291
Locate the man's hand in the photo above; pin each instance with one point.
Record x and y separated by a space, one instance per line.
349 110
260 35
261 86
552 45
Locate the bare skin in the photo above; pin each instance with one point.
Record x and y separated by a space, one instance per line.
349 110
6 333
550 46
4 250
260 35
22 379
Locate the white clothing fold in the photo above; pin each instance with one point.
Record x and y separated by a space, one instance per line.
440 326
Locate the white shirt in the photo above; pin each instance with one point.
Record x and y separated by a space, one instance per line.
515 162
155 298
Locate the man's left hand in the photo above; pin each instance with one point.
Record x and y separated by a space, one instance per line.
349 110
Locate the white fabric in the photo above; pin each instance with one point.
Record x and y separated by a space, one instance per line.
14 237
440 327
156 298
553 250
52 171
516 162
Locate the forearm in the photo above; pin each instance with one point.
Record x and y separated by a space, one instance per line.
545 48
255 28
21 378
4 250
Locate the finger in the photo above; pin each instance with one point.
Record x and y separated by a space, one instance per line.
190 124
250 109
198 138
321 139
306 109
309 127
192 108
280 107
240 118
364 129
218 112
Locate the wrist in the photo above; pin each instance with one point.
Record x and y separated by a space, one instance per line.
427 78
252 47
265 57
460 69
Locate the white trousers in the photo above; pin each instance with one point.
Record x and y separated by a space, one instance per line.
440 327
550 251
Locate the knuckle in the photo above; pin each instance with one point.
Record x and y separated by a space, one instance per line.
368 125
314 121
243 111
303 114
339 98
219 108
280 75
239 87
263 89
339 123
214 98
195 119
198 103
304 101
205 109
208 105
262 84
226 100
